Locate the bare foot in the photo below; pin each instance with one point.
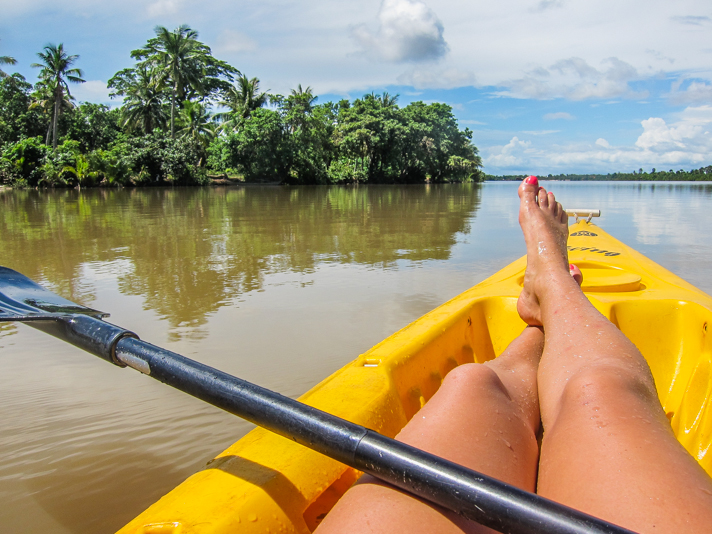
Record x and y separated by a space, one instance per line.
545 226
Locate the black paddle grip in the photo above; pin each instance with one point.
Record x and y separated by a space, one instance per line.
88 333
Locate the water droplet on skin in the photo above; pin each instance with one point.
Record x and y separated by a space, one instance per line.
252 517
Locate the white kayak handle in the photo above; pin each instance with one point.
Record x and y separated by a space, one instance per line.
581 212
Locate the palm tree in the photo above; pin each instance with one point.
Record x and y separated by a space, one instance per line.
44 97
304 97
6 60
56 72
180 58
298 105
143 107
83 170
241 99
388 101
196 123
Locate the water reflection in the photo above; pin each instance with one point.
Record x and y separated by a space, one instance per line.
188 252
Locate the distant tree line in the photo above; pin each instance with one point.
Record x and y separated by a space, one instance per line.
695 175
187 116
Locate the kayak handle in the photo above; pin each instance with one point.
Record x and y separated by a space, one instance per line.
583 212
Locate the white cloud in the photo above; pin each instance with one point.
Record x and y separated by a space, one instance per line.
698 92
513 154
540 132
544 5
422 78
92 91
690 134
660 56
694 20
408 30
558 115
685 142
575 79
234 42
162 8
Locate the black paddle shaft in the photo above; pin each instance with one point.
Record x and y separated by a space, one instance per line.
483 499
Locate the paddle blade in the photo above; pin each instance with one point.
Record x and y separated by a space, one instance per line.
21 299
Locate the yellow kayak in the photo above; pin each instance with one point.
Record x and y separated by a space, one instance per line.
267 483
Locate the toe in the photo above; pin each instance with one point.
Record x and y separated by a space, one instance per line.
528 189
543 198
563 217
576 273
557 210
551 201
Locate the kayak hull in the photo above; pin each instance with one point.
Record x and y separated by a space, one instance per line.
267 483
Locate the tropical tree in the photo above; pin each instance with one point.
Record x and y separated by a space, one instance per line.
298 106
314 148
195 123
184 64
83 170
144 109
387 101
17 120
372 134
94 126
43 100
241 99
6 60
56 72
26 158
420 142
260 150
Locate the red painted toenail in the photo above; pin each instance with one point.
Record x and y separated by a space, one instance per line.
532 180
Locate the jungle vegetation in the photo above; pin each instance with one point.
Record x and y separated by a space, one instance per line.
186 116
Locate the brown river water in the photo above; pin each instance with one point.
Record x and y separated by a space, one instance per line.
277 285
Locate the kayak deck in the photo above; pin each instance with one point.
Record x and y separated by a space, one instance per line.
267 483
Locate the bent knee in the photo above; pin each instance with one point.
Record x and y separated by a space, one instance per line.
475 377
609 386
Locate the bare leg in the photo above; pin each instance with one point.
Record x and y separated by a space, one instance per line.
484 416
608 448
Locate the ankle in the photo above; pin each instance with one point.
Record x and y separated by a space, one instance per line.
554 283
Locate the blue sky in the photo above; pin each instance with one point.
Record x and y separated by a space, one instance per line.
547 86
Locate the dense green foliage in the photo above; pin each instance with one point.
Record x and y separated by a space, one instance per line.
695 175
187 115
